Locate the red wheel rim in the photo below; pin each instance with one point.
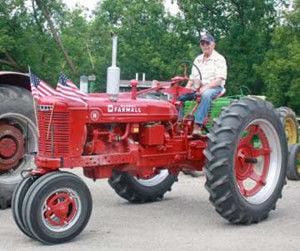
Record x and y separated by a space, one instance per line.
252 148
7 147
12 146
60 209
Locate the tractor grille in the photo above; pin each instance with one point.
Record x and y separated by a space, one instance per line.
54 140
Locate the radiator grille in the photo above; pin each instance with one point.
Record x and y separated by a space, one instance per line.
54 140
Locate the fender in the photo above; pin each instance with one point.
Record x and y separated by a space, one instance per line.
15 78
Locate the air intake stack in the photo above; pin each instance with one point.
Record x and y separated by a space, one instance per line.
113 73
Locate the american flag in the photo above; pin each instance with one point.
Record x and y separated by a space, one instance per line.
39 88
66 88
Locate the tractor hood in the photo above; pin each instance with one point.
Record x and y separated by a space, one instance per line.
100 109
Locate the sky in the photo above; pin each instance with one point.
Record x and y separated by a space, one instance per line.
91 4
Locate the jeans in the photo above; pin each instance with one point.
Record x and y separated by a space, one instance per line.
205 102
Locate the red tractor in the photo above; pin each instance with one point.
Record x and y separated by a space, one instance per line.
136 144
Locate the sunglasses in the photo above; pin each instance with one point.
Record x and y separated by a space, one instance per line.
202 43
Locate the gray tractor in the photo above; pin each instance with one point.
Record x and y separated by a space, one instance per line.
18 132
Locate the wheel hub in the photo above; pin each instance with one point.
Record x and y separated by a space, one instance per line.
251 147
7 147
61 209
12 146
243 168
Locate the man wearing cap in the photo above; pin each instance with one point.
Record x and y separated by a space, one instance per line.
213 68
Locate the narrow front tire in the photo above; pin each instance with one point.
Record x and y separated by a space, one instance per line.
57 207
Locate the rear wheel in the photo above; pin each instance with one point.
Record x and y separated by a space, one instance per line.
142 190
289 119
293 172
57 207
246 161
18 138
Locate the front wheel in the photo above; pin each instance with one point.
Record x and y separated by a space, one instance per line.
142 190
246 161
17 202
56 207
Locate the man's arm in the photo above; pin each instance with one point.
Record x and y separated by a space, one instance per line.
213 84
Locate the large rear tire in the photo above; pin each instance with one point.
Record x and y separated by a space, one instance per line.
246 161
141 190
18 138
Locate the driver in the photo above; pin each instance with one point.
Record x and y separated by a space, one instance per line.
214 73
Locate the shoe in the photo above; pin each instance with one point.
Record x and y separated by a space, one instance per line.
197 130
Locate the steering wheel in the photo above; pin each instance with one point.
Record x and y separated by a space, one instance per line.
177 87
184 64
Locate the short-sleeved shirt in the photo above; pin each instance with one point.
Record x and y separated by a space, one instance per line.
212 68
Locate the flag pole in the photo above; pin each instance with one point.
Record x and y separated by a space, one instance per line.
34 103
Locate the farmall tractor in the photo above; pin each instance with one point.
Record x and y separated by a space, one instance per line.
19 136
137 145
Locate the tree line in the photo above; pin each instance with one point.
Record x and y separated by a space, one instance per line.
261 48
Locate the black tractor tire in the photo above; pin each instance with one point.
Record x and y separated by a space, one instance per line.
228 167
24 200
42 214
141 190
289 119
293 169
17 202
16 111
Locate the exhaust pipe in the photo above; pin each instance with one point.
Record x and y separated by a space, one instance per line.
113 73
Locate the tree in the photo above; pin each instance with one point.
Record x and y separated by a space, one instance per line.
280 69
9 23
55 34
242 29
148 40
26 40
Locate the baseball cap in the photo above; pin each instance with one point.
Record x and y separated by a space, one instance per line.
207 37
